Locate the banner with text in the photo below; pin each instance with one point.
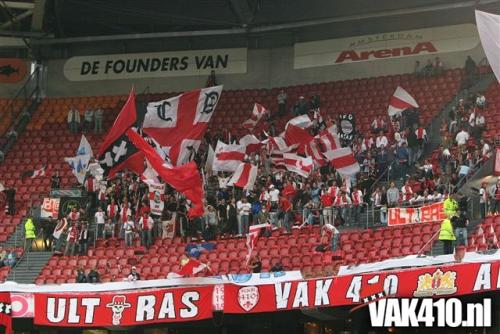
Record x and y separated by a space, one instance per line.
123 308
50 208
156 65
386 46
450 280
422 214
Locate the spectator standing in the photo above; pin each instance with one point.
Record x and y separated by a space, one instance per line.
462 137
29 233
438 67
483 200
59 235
129 228
447 236
88 118
403 157
112 214
98 117
73 119
212 79
55 180
479 126
83 239
286 212
232 217
460 223
100 218
495 197
450 206
392 195
71 240
381 141
146 224
243 209
256 265
282 97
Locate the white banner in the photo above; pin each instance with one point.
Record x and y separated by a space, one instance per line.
387 45
156 65
156 198
488 26
50 208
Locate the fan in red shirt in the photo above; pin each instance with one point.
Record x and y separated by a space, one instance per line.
286 211
327 203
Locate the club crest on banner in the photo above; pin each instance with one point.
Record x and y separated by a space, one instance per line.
117 306
248 297
438 284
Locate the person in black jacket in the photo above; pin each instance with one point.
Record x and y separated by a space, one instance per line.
93 276
80 276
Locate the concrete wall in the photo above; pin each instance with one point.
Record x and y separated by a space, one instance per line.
267 68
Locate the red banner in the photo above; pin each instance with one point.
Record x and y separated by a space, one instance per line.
423 214
123 308
450 280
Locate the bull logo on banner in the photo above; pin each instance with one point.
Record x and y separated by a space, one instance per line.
248 297
118 305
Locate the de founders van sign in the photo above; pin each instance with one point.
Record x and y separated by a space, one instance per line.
156 65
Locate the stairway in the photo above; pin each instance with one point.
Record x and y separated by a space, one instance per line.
30 266
16 239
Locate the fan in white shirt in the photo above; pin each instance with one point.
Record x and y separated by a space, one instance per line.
274 193
381 141
462 137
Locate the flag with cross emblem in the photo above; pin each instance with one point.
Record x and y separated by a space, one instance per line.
179 123
116 152
6 312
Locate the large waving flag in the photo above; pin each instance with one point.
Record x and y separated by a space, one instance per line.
343 161
297 164
79 166
257 113
116 152
244 176
488 26
84 147
179 123
227 157
184 179
253 235
400 101
251 143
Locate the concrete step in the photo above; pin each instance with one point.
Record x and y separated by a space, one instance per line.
30 266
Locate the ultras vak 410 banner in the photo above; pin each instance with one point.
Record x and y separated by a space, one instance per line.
442 281
123 308
422 214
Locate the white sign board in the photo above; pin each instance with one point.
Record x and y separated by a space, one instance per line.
156 65
385 46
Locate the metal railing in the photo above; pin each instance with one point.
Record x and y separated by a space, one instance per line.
28 93
430 241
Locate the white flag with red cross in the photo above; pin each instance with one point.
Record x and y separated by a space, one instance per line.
179 123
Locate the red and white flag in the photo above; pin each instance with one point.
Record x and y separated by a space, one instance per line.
296 132
277 160
297 164
184 179
257 113
190 268
302 121
179 123
244 176
251 143
227 157
277 143
400 101
313 150
329 139
343 161
252 237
